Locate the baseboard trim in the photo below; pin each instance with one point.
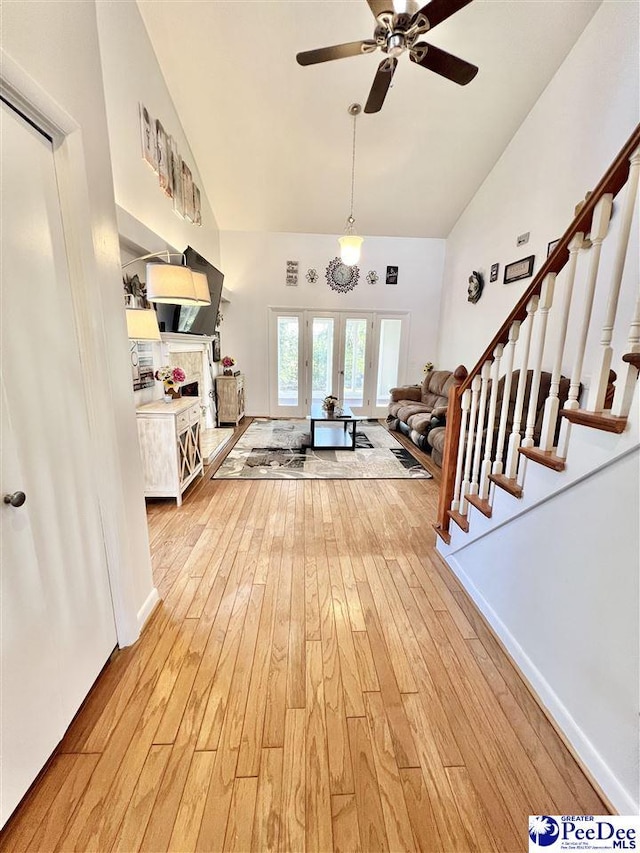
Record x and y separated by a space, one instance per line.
589 759
147 609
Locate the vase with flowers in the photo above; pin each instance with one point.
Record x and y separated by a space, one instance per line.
227 364
171 378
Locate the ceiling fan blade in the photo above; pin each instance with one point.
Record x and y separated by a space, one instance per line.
380 6
381 83
439 10
337 51
443 63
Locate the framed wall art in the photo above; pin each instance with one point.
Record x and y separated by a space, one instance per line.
551 246
392 275
494 272
518 269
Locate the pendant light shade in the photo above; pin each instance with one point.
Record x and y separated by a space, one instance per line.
142 324
350 243
350 249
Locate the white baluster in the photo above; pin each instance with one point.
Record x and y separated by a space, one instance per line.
466 483
462 443
491 419
514 333
544 306
552 403
624 392
482 411
599 225
598 390
514 438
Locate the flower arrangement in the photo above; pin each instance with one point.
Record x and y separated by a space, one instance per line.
329 403
428 366
171 378
227 363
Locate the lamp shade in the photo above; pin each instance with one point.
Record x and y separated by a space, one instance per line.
172 283
350 248
201 284
142 324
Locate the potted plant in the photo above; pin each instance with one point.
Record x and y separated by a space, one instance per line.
171 378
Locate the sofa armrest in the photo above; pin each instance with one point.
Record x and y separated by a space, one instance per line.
406 392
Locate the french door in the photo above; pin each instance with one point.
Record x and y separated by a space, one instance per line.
356 356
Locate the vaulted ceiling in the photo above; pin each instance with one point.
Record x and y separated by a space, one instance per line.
273 139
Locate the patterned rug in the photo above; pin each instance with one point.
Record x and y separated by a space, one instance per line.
278 449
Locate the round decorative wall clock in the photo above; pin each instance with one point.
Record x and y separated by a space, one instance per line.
341 277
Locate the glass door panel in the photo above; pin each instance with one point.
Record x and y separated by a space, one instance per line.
287 391
354 363
322 358
388 359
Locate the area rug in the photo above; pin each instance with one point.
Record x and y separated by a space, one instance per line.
279 449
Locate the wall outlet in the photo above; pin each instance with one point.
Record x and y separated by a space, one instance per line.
522 239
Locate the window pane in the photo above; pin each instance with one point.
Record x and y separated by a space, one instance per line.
322 358
354 354
288 334
388 360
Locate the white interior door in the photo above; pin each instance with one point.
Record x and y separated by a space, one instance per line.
57 626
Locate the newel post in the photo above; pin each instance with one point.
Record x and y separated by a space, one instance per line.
450 454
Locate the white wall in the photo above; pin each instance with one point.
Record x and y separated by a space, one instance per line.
254 265
132 75
560 587
56 46
561 150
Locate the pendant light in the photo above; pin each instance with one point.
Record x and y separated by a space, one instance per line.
350 242
174 283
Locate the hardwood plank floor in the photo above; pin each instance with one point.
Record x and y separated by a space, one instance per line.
314 679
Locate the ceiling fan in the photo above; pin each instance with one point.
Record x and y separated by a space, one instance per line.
395 33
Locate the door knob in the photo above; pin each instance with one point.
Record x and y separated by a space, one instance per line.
16 499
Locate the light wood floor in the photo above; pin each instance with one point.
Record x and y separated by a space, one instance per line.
314 679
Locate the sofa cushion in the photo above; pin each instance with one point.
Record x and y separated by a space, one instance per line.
406 409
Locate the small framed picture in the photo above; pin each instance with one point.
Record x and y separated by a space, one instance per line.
392 275
494 272
162 148
519 269
551 246
148 136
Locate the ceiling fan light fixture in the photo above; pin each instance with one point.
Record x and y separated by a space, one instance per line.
350 243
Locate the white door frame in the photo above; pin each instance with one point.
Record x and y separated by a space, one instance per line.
305 345
85 277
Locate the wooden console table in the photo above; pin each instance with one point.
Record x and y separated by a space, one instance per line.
230 399
169 437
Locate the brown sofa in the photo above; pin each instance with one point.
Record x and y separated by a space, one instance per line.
436 435
415 410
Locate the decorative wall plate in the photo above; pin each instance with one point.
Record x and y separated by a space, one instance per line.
341 277
372 277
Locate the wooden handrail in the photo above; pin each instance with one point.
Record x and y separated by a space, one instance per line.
612 182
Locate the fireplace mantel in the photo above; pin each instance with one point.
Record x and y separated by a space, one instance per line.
202 371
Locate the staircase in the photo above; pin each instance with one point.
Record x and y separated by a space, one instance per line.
540 523
561 298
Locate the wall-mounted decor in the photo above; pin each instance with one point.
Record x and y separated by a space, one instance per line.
341 277
292 273
141 364
519 269
474 290
521 239
312 276
551 246
160 151
392 275
372 277
494 272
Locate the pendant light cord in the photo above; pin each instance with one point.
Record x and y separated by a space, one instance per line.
353 168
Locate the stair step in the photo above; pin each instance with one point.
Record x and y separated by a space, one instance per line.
460 520
483 505
545 457
507 483
597 420
443 534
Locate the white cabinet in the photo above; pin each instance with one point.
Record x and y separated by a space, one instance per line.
230 398
169 436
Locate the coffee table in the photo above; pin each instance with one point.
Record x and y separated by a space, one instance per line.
332 432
